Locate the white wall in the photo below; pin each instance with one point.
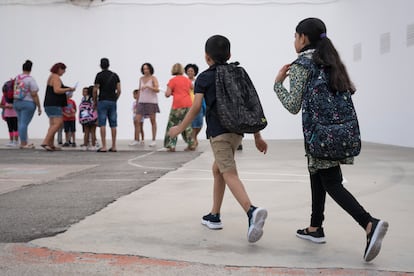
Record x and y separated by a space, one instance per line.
385 93
262 40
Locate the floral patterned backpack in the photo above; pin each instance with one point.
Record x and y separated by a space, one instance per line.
329 121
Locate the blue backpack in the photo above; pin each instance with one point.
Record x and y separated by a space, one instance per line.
329 121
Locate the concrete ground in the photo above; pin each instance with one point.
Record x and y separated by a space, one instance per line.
156 229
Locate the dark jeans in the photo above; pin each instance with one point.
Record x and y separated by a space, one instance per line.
330 181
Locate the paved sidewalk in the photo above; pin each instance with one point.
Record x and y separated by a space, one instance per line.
156 230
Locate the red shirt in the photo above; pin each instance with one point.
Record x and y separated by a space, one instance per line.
180 87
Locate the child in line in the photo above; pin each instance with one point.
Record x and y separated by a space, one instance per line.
88 118
69 121
223 143
137 134
10 116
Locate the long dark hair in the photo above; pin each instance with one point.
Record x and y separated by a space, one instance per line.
325 54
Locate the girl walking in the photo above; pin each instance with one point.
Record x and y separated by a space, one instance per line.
316 53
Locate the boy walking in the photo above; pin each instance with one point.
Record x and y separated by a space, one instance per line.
223 143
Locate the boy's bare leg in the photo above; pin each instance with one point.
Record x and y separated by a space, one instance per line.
218 189
232 179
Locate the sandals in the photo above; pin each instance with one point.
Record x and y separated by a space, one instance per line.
190 148
101 150
56 148
47 147
28 146
112 150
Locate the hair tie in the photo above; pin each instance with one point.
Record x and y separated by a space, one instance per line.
322 35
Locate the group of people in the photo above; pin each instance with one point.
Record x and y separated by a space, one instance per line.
145 105
18 112
102 96
312 43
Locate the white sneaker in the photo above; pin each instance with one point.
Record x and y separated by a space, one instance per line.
10 144
134 143
153 144
256 224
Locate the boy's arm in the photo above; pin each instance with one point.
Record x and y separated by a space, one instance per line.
261 144
189 117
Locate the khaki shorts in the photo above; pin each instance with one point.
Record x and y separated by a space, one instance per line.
224 146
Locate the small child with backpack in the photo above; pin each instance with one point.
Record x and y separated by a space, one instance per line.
223 141
9 114
88 117
69 121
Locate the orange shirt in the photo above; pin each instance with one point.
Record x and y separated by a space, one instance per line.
180 87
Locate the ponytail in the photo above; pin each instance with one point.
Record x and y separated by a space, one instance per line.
325 54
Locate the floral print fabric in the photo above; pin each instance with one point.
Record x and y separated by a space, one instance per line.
292 101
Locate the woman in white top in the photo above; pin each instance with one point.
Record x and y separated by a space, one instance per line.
147 104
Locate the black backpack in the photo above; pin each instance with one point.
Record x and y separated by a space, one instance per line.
329 120
238 105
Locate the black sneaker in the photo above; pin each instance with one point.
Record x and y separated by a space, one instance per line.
73 145
212 221
256 223
317 236
374 239
66 144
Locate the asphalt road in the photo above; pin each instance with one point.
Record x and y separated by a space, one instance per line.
46 209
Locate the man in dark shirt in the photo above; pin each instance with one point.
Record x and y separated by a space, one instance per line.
109 87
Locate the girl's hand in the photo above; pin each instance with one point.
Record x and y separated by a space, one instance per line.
283 73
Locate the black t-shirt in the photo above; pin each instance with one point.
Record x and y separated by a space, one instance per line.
54 99
107 81
206 84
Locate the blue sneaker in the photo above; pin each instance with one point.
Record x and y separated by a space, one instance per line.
212 221
256 223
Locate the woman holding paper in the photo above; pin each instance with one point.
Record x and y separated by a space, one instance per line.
55 99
